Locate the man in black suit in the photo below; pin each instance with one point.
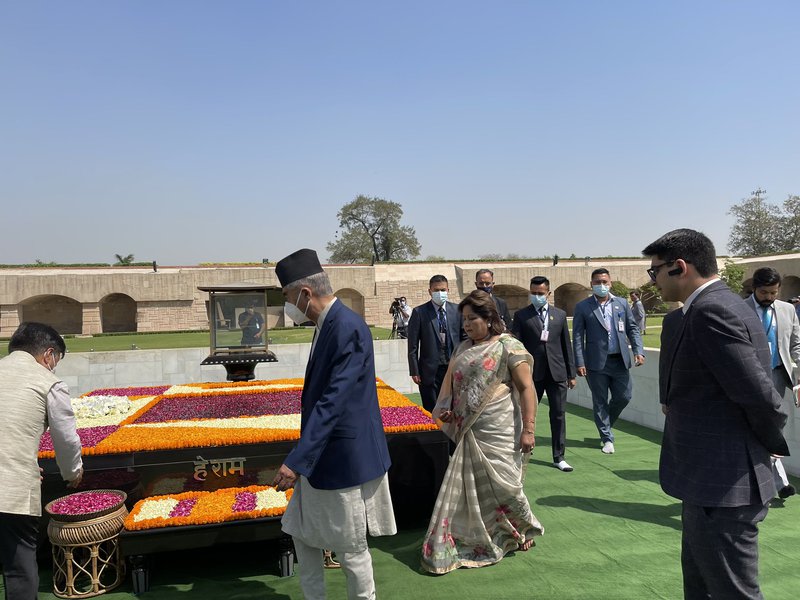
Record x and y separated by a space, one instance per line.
543 331
484 280
434 331
723 418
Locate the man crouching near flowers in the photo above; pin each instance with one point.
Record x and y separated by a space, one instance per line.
32 398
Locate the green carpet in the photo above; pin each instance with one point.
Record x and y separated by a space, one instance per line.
610 533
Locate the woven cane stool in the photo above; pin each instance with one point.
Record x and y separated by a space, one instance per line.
86 555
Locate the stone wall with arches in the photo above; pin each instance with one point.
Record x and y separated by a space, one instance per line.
92 300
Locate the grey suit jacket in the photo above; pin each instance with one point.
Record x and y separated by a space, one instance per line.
590 337
724 417
788 334
556 352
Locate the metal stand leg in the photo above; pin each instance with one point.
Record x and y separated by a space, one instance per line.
286 564
140 574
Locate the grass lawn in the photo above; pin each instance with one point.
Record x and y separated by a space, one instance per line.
610 532
189 339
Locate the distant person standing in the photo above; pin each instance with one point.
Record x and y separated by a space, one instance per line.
796 303
484 280
783 335
637 309
252 325
601 329
543 331
723 418
32 398
434 331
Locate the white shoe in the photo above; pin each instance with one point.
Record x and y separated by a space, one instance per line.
608 448
563 465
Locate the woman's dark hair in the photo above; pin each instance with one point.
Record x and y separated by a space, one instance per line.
483 305
36 338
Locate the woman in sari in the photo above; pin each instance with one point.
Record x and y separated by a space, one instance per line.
487 405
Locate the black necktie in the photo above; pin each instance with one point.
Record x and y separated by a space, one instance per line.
443 331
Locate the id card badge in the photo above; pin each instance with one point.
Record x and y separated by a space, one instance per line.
621 326
545 335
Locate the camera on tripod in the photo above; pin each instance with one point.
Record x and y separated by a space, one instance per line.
399 317
395 307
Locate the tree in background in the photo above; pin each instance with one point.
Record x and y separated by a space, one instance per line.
620 290
763 228
650 296
733 276
123 260
790 223
371 232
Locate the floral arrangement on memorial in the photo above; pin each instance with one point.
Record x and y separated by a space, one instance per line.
203 508
134 419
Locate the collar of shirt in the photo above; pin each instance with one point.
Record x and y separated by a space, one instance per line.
320 323
696 293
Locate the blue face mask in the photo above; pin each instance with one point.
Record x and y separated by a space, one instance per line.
486 287
439 298
600 290
538 301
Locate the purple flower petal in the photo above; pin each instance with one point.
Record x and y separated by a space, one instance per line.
89 436
152 390
183 508
398 416
222 406
244 501
84 502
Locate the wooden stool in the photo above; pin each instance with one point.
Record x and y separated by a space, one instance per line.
86 556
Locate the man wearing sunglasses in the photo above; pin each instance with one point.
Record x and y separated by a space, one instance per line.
723 418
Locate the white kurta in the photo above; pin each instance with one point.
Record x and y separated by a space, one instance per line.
340 519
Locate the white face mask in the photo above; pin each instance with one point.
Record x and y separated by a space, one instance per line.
439 298
294 313
47 364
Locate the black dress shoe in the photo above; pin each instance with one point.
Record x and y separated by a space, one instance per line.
786 491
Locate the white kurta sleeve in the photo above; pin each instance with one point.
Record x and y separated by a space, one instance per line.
62 430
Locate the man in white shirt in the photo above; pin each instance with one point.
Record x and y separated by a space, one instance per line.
31 399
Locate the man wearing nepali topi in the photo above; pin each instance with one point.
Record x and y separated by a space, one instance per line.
338 468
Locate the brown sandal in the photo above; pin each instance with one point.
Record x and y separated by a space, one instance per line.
328 562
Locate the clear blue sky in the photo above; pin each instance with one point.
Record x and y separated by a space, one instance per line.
190 131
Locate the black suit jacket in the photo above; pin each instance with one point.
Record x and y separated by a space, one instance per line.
423 338
556 353
724 417
502 308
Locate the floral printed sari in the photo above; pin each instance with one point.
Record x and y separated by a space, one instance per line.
481 512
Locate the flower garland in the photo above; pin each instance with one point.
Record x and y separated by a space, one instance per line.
219 414
203 508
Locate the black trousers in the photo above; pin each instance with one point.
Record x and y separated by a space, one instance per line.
719 551
18 538
429 392
557 398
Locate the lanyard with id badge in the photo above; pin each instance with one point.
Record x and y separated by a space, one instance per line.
545 319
